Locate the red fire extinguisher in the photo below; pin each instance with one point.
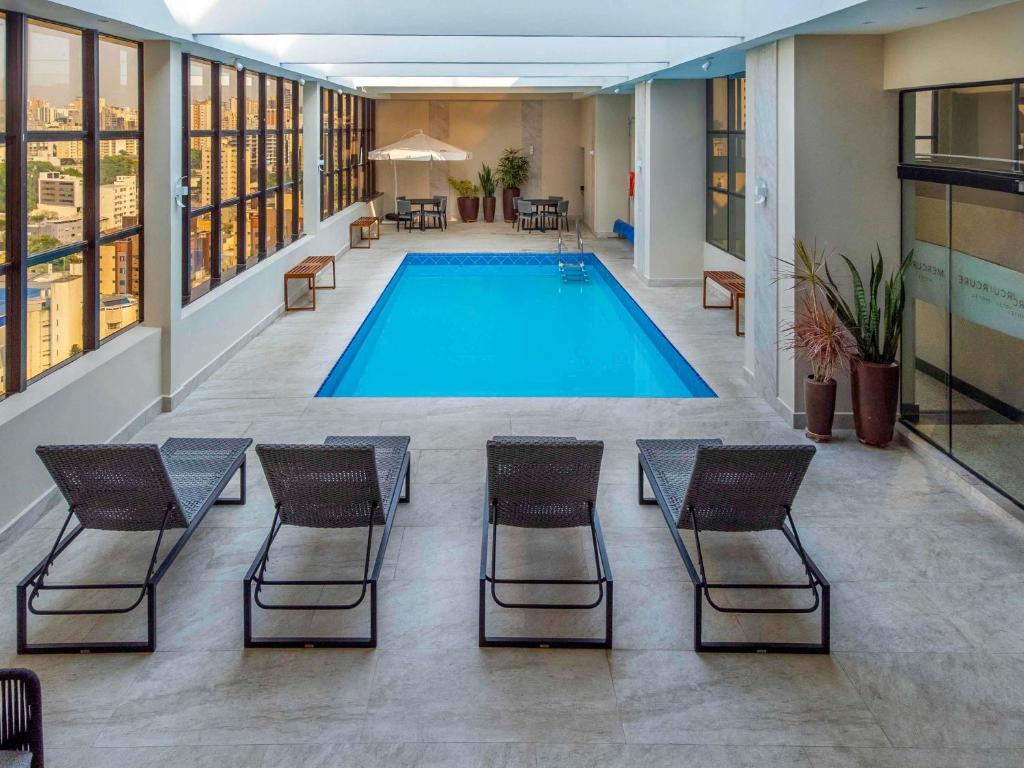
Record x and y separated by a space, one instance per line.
632 183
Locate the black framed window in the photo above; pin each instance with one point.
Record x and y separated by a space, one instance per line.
71 164
347 134
243 165
974 127
726 163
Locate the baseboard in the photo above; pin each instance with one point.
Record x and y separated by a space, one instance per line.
669 282
35 511
170 402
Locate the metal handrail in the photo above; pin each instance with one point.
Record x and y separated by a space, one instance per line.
579 237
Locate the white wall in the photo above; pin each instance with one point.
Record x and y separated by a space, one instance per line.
607 144
673 158
973 48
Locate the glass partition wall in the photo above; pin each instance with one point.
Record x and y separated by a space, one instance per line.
71 194
963 214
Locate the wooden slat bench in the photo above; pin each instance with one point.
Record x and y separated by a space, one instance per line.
372 226
734 284
308 269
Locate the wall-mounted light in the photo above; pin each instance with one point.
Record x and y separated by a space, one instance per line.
706 65
239 65
181 192
615 90
760 192
302 81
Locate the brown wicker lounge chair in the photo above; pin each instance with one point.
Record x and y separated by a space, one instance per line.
702 486
348 482
130 488
21 719
543 482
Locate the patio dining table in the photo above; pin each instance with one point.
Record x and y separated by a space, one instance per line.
422 202
538 204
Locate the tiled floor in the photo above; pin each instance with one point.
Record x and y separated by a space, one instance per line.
928 605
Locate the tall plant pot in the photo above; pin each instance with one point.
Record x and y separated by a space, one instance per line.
876 389
508 209
469 208
820 404
489 205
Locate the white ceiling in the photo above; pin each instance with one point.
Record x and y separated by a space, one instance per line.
485 45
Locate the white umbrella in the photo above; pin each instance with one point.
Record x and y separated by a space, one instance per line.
419 147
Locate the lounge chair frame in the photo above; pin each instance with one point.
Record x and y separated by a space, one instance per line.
21 714
489 581
255 577
816 583
34 583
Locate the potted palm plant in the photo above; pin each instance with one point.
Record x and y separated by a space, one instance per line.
818 336
513 171
876 329
468 202
487 186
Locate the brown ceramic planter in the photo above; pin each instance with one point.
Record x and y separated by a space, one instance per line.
469 208
820 404
876 389
508 208
489 205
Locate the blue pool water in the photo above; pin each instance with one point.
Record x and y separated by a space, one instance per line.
506 325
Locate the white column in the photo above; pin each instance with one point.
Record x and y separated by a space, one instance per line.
163 218
311 154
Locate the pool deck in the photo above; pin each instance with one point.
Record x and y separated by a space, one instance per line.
927 667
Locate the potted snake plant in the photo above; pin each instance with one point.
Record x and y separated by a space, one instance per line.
513 171
876 329
487 187
819 337
468 202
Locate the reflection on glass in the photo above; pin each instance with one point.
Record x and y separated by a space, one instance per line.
718 221
54 193
228 167
55 313
54 78
287 232
289 140
718 162
738 164
3 217
252 163
925 349
301 212
271 91
200 163
738 97
200 95
228 240
119 85
287 103
3 91
200 248
270 241
3 335
252 232
987 344
719 104
737 225
272 158
252 101
229 112
119 284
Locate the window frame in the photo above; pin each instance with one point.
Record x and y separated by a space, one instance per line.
242 200
348 132
16 137
732 130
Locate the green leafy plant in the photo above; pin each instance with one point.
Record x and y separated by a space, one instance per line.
817 334
513 168
463 187
487 181
875 327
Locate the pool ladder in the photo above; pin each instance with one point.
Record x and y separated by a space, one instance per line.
572 267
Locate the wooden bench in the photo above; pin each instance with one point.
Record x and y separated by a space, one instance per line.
734 284
372 226
308 269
